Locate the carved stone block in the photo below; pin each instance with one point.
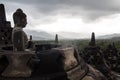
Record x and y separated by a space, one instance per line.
18 64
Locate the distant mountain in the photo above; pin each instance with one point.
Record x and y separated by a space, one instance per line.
73 35
110 36
41 35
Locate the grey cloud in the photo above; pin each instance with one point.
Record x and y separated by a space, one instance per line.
88 9
87 4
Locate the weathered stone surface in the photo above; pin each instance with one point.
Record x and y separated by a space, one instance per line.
92 42
96 74
18 35
30 44
51 66
2 15
88 78
112 57
19 40
56 38
19 18
69 60
116 75
17 64
42 47
5 28
61 64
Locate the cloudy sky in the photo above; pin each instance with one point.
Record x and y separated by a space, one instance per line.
80 16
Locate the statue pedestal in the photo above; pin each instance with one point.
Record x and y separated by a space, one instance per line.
17 64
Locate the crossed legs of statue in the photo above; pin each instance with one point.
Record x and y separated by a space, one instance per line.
19 40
